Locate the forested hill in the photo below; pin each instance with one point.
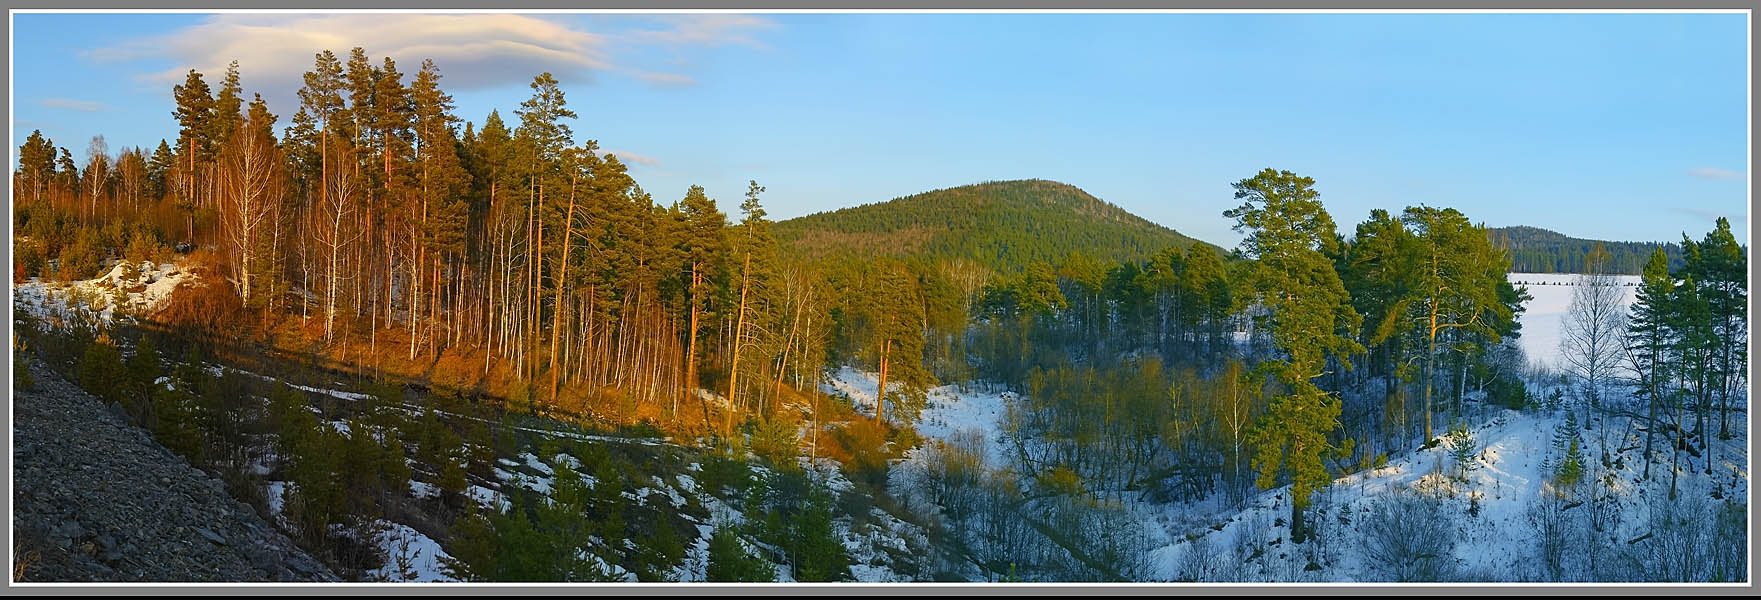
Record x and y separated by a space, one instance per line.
1536 250
1003 225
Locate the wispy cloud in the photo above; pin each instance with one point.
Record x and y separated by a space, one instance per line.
79 105
704 30
1709 214
473 51
1710 173
663 79
632 158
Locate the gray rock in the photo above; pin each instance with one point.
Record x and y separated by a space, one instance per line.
87 492
71 529
211 536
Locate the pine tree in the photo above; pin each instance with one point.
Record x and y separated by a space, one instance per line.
36 164
1455 283
898 329
66 173
1289 235
704 245
757 251
195 108
1377 272
442 180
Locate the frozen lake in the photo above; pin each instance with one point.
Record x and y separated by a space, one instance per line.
1545 316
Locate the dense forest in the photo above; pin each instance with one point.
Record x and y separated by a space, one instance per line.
1001 225
1536 250
509 267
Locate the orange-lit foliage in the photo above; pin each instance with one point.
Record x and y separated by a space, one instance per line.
865 443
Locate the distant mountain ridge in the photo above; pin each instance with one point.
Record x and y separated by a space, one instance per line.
1003 225
1537 250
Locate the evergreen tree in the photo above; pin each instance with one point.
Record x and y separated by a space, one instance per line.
228 107
1289 235
1455 282
898 315
195 110
36 164
730 562
1648 341
704 245
159 168
757 251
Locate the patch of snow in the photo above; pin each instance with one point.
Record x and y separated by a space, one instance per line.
535 464
423 489
276 492
488 498
423 554
52 303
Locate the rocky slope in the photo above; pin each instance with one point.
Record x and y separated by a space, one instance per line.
96 499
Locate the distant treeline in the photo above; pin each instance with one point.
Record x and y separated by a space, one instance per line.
1536 250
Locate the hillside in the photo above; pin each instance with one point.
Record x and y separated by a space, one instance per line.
1002 225
1536 250
97 499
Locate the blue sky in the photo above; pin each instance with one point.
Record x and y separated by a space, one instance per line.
1629 127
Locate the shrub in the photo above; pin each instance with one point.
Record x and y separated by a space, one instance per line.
730 562
1407 538
642 429
775 440
865 442
1509 392
208 308
101 370
83 258
660 553
30 260
142 247
723 471
818 553
1062 481
143 370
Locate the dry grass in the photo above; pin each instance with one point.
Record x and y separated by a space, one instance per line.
23 561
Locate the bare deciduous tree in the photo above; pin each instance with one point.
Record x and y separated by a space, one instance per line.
1590 344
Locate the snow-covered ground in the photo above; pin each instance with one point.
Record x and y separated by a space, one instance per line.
419 552
1544 317
950 410
103 297
1486 511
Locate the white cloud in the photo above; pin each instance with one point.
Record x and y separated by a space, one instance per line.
472 51
79 105
632 158
1710 173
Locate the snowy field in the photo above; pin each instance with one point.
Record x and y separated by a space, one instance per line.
1545 317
